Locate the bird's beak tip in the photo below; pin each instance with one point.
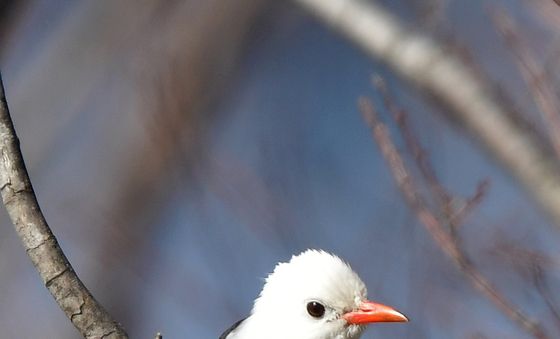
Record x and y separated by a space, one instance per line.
370 312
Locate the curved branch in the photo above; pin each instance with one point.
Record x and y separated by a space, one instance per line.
443 76
85 313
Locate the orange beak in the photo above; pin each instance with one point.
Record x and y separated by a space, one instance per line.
370 312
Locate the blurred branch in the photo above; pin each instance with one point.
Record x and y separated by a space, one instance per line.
10 12
547 12
187 57
534 75
445 200
546 294
85 313
448 243
533 266
443 76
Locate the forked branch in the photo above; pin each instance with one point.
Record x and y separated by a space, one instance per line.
443 238
425 62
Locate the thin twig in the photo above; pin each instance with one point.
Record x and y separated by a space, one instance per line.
461 213
424 62
420 155
532 265
452 216
405 183
547 13
541 284
534 76
85 313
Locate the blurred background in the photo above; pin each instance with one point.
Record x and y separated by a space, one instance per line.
180 149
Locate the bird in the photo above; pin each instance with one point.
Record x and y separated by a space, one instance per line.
316 295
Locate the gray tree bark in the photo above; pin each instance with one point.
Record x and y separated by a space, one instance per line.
85 313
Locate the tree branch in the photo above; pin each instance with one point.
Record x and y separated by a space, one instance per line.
534 74
85 313
445 77
448 243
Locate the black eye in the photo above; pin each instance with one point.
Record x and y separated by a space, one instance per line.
315 309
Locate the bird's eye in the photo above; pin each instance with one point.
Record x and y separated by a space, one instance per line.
315 309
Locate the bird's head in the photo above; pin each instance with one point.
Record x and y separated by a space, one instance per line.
316 295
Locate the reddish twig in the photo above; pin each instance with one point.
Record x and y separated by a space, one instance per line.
532 265
461 213
420 155
445 200
539 279
534 76
443 239
423 62
547 12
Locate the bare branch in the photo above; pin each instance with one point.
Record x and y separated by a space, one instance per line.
532 265
445 200
534 76
412 143
85 313
547 13
436 229
460 214
541 284
445 77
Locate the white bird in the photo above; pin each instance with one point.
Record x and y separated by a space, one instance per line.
315 295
